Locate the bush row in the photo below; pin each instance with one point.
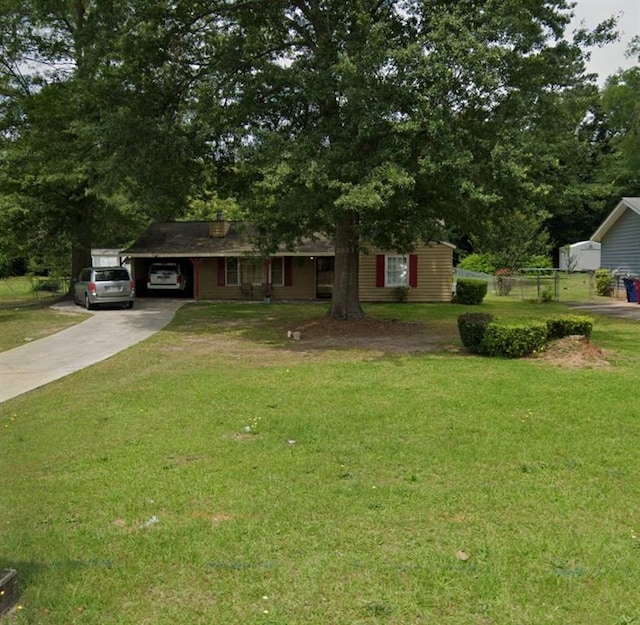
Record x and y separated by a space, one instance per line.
480 333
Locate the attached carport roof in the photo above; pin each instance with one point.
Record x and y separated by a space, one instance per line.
192 239
632 203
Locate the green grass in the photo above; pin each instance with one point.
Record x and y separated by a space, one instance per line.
28 289
400 463
26 314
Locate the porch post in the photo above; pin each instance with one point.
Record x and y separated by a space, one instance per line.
196 277
267 281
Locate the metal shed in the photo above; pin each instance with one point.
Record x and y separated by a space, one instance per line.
581 256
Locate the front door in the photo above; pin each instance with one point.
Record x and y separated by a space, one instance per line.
324 277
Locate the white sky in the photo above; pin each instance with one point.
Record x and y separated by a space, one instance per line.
606 61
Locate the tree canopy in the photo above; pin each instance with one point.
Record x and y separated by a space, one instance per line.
621 106
372 121
97 134
375 120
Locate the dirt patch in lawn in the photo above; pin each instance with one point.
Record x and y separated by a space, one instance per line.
319 339
575 353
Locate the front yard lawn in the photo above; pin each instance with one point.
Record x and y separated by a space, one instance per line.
221 472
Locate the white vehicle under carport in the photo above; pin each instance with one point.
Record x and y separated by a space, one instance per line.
163 276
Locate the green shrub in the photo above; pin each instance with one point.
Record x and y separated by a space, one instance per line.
401 293
568 325
471 327
547 295
541 261
50 285
514 341
604 282
478 262
470 291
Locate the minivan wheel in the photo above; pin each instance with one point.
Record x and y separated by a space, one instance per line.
87 304
129 304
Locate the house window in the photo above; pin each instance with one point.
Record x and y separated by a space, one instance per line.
252 271
232 272
277 271
396 271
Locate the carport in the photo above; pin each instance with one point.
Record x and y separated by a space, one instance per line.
140 268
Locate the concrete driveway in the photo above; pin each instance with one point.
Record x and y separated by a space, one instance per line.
611 308
104 334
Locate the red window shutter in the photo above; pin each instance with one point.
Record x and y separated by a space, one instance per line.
380 270
222 272
413 271
288 271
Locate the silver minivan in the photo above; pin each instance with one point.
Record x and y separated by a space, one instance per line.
104 285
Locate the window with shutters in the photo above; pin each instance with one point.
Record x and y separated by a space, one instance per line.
396 271
232 277
252 271
277 271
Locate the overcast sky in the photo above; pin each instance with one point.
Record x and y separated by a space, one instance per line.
606 61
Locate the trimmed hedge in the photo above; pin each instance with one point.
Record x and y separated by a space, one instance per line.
472 327
470 292
568 325
514 341
480 333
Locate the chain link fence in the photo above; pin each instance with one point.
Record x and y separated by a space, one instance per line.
539 284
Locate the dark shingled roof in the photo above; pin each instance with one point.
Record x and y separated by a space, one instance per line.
193 239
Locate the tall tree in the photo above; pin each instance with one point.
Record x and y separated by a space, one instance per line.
96 99
372 120
621 107
43 173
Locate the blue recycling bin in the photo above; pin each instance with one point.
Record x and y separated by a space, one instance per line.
632 293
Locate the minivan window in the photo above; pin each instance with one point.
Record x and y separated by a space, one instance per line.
112 275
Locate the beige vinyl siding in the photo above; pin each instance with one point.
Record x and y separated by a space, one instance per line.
435 274
209 288
303 287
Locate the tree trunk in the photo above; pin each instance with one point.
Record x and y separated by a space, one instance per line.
345 304
81 235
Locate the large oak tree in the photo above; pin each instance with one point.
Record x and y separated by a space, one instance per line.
373 120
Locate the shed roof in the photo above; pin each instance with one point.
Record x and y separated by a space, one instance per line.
626 203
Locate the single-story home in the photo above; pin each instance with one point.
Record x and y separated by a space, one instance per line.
619 235
221 263
581 256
